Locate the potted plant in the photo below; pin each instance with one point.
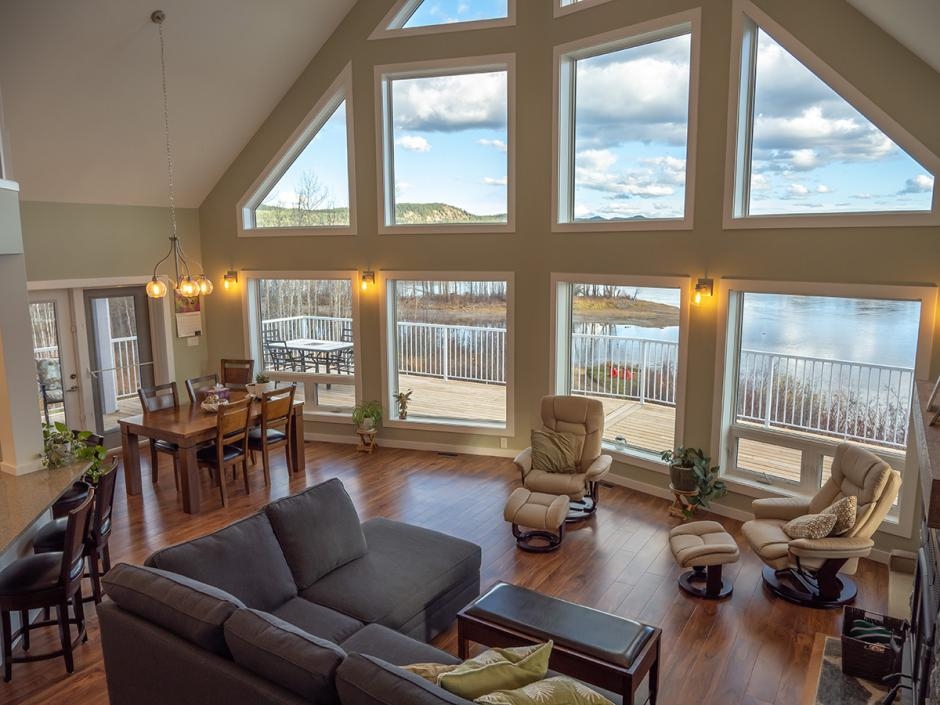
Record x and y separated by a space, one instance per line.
402 399
95 454
262 384
710 486
62 446
367 415
682 465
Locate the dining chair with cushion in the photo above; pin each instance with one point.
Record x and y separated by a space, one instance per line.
199 387
47 580
237 373
51 537
162 396
274 431
231 444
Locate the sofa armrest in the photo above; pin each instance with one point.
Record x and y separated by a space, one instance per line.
780 508
523 461
832 547
599 468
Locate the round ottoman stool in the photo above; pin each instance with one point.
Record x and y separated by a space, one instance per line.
544 513
703 546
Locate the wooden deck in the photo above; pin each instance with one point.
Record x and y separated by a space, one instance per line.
126 407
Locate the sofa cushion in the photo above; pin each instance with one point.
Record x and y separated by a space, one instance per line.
317 620
393 647
243 559
404 571
318 530
284 654
192 610
366 680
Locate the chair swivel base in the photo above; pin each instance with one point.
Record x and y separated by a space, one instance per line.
706 583
581 509
794 587
538 541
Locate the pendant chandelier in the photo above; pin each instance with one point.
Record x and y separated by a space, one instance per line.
184 281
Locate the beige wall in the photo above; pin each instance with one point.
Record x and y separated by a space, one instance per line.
887 73
66 241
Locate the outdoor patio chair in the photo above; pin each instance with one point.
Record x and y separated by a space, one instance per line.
49 376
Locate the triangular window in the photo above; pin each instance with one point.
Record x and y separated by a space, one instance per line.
308 185
445 15
805 150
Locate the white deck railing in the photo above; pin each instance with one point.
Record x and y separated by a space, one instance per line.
838 398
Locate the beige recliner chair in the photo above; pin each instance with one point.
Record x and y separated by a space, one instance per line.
583 417
807 571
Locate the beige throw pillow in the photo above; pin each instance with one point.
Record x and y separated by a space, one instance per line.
810 526
554 452
845 511
559 690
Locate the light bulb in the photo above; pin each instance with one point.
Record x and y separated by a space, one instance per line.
205 286
698 298
156 289
187 287
365 285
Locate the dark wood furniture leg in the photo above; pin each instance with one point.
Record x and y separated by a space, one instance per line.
130 452
189 479
296 449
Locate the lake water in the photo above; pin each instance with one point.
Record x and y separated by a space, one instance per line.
860 330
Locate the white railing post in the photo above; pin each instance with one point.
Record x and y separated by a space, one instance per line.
644 357
445 330
768 397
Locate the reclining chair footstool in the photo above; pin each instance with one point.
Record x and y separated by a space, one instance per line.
703 546
543 513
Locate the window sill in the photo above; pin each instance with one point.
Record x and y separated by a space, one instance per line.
448 229
344 231
450 426
831 220
337 417
618 226
636 457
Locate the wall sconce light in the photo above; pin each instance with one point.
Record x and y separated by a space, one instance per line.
703 287
368 279
230 280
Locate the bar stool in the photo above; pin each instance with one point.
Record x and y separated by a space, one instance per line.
51 537
46 580
78 492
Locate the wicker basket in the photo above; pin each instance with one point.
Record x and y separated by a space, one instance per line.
866 660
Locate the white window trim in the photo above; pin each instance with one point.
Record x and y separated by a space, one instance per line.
340 90
565 56
562 10
389 361
747 16
385 147
392 25
251 321
559 367
899 524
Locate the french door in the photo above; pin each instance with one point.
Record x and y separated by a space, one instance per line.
57 380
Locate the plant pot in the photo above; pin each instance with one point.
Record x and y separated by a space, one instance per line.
367 424
259 388
402 415
683 478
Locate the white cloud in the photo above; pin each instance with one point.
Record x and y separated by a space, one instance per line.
804 159
822 188
797 190
922 183
413 143
450 103
760 182
498 145
656 176
490 181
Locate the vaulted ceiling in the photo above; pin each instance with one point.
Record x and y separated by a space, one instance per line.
80 83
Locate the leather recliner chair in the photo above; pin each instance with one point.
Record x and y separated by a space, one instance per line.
814 572
583 417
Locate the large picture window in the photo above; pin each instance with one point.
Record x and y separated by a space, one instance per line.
447 146
449 346
807 371
623 127
623 343
303 330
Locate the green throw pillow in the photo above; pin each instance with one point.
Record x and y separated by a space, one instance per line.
495 669
551 691
554 452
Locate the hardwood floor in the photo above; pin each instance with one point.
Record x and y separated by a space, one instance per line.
748 650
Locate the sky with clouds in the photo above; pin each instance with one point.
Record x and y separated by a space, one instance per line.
815 153
432 12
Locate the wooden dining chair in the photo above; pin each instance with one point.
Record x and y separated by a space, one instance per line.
162 396
231 444
274 431
237 373
199 387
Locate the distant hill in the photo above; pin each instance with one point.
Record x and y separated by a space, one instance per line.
405 213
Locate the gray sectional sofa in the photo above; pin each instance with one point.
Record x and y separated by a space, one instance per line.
299 603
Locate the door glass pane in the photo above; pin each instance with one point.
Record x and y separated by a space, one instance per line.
117 357
625 352
42 316
772 460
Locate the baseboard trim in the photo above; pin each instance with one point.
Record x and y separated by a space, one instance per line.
414 445
664 493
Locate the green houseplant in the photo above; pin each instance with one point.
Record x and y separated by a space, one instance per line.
61 446
682 465
367 415
710 486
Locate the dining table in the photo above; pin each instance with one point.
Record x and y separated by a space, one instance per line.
318 351
190 427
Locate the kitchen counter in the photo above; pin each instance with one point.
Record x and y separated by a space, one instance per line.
24 498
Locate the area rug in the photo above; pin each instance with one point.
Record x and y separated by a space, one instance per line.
833 687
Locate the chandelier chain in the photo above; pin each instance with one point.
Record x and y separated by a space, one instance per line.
166 131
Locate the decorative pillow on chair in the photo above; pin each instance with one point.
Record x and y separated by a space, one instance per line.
495 669
551 691
845 511
810 526
555 452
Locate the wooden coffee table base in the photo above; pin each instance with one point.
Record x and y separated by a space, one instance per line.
624 681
